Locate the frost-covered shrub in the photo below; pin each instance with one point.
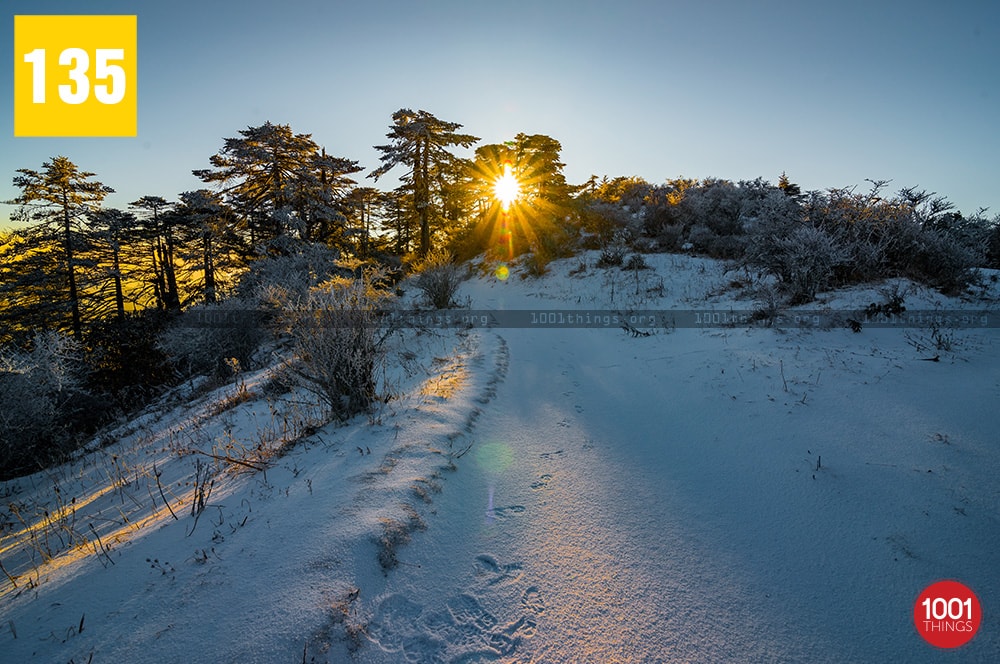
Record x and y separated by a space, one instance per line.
717 215
635 262
44 403
604 219
911 234
944 262
705 240
438 278
291 274
613 252
992 244
701 237
802 259
670 237
338 342
716 205
26 430
204 339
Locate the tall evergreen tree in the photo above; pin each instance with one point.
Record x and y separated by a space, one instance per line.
112 232
790 189
56 201
421 142
278 181
400 218
365 203
160 231
207 227
33 288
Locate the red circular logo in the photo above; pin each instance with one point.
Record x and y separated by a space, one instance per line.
947 614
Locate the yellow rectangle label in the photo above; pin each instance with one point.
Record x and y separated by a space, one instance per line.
75 76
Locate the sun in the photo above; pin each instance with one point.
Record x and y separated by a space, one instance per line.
506 188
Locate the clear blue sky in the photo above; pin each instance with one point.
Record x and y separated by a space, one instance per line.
831 92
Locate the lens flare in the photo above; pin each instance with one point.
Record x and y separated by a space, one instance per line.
494 458
506 188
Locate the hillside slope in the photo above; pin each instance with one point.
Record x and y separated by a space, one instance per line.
572 494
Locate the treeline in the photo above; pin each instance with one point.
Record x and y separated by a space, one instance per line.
806 241
93 300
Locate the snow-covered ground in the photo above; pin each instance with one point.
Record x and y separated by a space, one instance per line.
542 495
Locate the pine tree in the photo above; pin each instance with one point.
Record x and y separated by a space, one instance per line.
534 161
420 142
791 189
544 198
400 217
160 231
365 204
57 200
279 182
112 231
207 230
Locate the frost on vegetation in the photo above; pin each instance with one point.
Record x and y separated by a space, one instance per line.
208 336
339 345
288 277
438 278
43 395
803 261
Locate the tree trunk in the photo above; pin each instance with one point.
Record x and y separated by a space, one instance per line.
119 293
424 201
74 298
159 285
172 298
209 271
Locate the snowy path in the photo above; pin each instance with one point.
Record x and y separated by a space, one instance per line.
646 500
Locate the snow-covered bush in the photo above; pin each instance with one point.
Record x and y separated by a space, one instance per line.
603 219
717 205
43 397
911 234
438 277
944 262
716 215
803 258
339 343
992 243
292 274
613 252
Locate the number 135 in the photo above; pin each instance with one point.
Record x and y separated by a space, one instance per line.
79 90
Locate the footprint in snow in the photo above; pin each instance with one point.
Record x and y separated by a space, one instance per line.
496 572
532 600
504 512
543 481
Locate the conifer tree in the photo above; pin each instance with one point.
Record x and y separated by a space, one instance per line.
278 181
111 232
207 228
159 226
791 189
56 200
421 142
